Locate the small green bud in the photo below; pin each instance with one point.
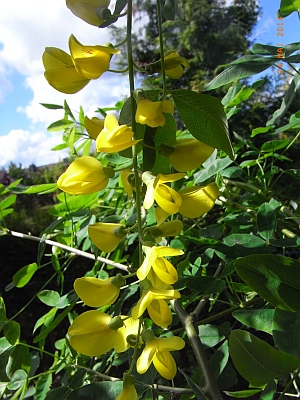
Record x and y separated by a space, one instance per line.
148 336
116 323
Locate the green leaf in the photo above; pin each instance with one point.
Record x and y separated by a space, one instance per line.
8 201
275 278
74 203
52 106
18 380
59 125
258 131
244 239
205 118
219 360
195 388
274 145
2 310
266 221
264 49
286 331
205 284
23 276
49 297
239 71
42 386
212 166
287 7
211 335
40 189
236 95
257 361
58 393
99 390
11 331
260 319
243 394
18 359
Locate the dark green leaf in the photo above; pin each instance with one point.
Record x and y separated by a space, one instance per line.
11 331
266 221
58 393
195 388
205 284
244 239
275 278
274 145
205 118
52 106
2 310
99 390
257 361
260 319
219 359
286 331
23 276
120 4
18 359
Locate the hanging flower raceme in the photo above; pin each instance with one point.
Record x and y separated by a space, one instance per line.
151 112
99 292
198 200
157 350
186 153
93 126
91 11
84 176
70 73
106 235
154 300
114 137
162 267
94 333
166 197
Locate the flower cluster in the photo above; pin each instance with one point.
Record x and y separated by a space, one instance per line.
95 332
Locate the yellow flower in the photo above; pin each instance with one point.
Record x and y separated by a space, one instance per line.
124 174
151 112
187 153
159 310
84 176
94 333
88 10
90 61
155 259
98 292
129 391
198 200
166 229
106 235
114 138
174 65
60 71
166 197
158 352
93 126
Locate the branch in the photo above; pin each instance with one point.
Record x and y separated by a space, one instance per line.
210 389
71 250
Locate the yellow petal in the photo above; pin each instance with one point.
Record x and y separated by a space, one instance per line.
141 305
88 10
170 344
160 313
89 333
128 393
165 271
167 198
93 126
198 200
104 235
165 365
96 292
145 359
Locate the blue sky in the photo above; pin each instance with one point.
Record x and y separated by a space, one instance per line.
26 28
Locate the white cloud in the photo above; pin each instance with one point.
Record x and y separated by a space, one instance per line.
26 148
26 28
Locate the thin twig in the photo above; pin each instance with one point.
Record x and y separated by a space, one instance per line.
71 250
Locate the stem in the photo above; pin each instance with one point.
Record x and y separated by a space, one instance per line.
210 389
134 128
161 45
71 250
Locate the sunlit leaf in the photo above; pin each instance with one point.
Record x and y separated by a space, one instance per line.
11 331
287 7
49 297
259 319
23 276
